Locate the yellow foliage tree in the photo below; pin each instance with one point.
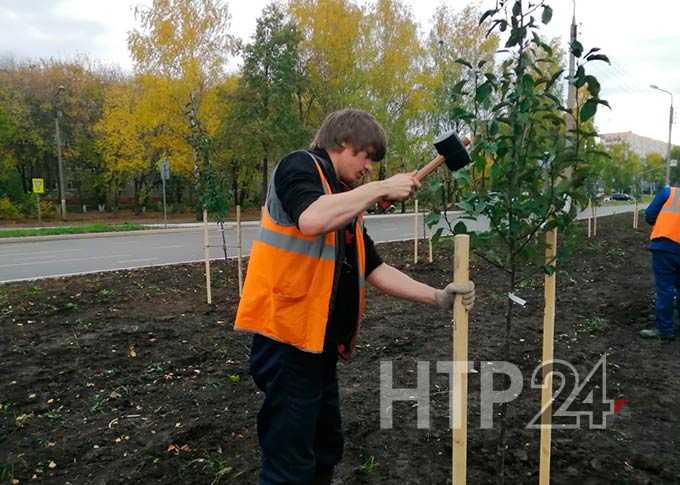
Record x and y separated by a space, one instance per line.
331 32
392 61
179 53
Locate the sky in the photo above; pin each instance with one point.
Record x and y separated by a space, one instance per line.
642 40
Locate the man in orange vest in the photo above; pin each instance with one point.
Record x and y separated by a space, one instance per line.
304 292
664 215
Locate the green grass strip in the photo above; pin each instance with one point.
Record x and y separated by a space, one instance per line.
84 229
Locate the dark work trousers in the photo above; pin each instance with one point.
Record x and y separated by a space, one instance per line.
667 277
299 425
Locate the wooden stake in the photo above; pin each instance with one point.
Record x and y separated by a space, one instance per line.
429 243
594 210
548 354
206 253
240 250
636 215
461 274
415 234
590 220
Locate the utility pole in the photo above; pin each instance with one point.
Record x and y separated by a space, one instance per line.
670 134
62 189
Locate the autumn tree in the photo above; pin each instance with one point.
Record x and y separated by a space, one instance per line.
270 79
179 51
391 62
331 35
35 92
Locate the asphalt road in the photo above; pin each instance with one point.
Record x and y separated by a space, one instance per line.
29 260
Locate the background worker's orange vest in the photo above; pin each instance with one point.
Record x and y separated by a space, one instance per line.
668 221
288 291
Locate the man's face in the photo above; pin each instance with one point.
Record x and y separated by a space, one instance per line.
352 167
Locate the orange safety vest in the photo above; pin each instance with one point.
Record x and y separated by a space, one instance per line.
668 221
290 283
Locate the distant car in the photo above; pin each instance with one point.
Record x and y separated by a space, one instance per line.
620 196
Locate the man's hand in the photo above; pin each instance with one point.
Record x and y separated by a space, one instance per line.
445 297
400 186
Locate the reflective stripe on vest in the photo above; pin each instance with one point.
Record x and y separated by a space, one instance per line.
668 221
290 278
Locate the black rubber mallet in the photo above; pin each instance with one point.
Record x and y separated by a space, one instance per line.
451 151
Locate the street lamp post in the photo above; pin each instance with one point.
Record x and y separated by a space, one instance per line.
670 132
62 189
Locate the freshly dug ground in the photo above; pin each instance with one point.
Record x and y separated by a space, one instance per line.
131 377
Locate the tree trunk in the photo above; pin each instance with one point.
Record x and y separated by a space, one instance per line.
502 437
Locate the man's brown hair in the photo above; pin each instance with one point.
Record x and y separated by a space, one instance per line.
354 127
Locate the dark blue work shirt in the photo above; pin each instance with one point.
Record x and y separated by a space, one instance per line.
651 213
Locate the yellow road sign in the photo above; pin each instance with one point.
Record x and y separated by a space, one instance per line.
38 186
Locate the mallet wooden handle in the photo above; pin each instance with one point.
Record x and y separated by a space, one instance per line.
430 167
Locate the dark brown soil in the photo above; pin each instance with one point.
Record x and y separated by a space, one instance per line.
131 377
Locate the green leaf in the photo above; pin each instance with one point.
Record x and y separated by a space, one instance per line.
588 110
598 57
515 37
580 77
483 92
432 219
593 85
486 15
576 48
554 77
604 102
464 63
493 128
547 14
517 8
458 87
592 51
460 228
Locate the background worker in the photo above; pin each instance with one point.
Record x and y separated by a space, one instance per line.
305 290
664 215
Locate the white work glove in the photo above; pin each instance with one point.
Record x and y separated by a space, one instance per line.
445 297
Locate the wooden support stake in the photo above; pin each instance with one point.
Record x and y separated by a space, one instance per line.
594 211
461 273
548 355
636 215
239 250
415 234
429 243
590 220
206 253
